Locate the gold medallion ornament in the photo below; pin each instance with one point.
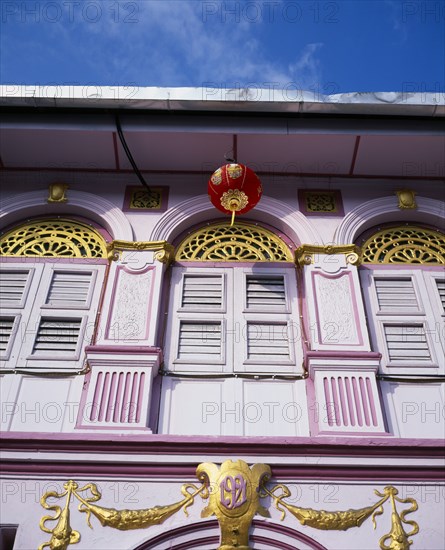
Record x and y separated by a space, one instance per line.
57 192
407 199
234 499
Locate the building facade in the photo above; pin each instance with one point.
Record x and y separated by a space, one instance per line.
170 380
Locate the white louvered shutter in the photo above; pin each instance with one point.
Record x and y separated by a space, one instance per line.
13 284
267 342
62 320
198 316
403 319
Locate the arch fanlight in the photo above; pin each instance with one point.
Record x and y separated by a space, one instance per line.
59 237
408 244
242 242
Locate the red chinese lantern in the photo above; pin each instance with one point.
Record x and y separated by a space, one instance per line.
234 188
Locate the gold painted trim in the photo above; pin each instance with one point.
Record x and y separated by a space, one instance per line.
164 251
304 255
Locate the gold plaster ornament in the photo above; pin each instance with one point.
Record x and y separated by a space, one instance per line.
233 491
125 520
62 535
341 521
234 499
407 199
57 192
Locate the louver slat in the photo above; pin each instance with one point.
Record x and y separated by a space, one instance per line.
396 294
57 336
265 292
12 286
6 326
441 289
69 289
267 342
202 292
199 339
407 342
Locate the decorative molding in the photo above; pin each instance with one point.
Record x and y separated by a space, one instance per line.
377 211
406 199
105 213
304 255
164 252
271 211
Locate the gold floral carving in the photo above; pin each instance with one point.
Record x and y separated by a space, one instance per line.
232 493
57 192
406 199
59 237
305 253
234 499
408 244
241 243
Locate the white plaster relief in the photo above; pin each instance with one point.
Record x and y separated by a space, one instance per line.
335 311
131 304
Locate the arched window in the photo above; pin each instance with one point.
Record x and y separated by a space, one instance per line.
51 276
233 313
404 286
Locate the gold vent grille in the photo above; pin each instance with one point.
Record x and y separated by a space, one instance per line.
240 243
60 238
405 245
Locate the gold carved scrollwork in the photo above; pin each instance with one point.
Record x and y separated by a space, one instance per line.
54 238
305 253
164 251
407 245
241 243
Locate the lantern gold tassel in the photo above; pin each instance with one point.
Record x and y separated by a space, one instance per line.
233 218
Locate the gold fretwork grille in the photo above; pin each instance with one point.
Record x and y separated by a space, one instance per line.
60 238
321 201
407 245
240 243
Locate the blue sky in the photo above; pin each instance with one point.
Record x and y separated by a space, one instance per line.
327 47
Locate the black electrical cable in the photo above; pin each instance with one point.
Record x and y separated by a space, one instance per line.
129 155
